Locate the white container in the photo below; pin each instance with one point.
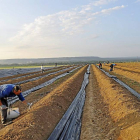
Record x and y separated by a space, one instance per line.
12 113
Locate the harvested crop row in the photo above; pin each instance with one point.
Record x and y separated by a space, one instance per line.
45 114
124 108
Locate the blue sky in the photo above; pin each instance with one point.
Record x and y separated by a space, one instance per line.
69 28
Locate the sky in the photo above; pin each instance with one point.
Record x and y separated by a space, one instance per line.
69 28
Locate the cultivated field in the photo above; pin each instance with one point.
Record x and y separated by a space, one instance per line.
115 111
49 103
110 112
129 73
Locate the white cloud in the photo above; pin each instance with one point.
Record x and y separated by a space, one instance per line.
112 9
106 11
54 26
51 29
102 2
95 3
86 8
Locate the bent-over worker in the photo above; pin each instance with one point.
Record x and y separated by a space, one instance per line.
9 90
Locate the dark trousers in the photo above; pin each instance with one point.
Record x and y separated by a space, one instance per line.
42 70
4 111
111 69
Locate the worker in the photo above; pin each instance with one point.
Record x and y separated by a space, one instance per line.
100 65
9 90
112 66
42 69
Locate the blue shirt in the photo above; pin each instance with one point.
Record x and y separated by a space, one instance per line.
6 90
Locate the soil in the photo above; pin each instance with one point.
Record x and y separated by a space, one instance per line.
18 78
128 75
38 122
96 121
111 112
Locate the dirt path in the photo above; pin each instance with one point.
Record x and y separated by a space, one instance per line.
111 112
96 122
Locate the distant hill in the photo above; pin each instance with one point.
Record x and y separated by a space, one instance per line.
91 59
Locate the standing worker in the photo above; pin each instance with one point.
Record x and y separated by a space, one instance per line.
9 90
42 70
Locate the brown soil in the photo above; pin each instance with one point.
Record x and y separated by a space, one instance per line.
111 112
96 122
128 74
129 77
28 76
39 122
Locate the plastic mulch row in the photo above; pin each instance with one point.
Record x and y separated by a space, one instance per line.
27 92
36 78
24 72
69 127
121 83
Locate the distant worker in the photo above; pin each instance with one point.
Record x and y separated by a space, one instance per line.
42 69
100 65
9 90
112 66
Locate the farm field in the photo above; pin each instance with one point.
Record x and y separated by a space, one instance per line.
110 112
11 72
129 73
50 103
26 67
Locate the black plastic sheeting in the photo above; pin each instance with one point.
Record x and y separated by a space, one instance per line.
11 72
24 75
27 92
69 127
121 83
36 78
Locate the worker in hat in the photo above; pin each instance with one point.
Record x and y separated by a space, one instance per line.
9 90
